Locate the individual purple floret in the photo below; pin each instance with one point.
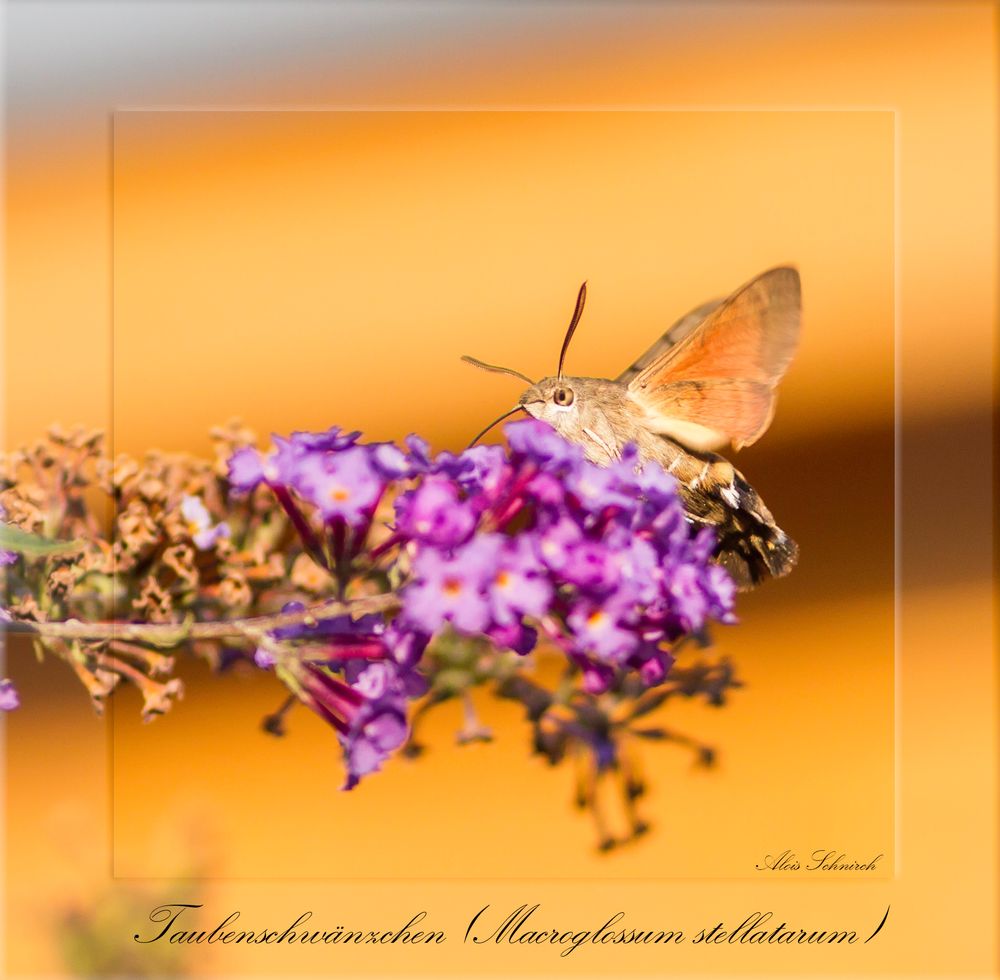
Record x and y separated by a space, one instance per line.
435 515
9 699
379 725
199 522
389 460
344 484
452 587
520 586
541 444
605 630
333 440
376 734
246 469
516 636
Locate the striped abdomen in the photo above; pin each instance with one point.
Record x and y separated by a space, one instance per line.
751 546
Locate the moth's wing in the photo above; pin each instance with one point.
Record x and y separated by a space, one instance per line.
671 338
716 386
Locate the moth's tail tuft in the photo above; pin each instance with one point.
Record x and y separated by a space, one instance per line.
754 558
752 548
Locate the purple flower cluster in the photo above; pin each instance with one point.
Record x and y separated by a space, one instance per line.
359 681
602 561
343 480
330 470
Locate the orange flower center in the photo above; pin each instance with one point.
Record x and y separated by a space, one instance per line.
452 586
340 494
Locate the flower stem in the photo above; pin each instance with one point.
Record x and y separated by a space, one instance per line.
174 634
305 532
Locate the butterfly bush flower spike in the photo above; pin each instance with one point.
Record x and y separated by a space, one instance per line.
509 546
463 563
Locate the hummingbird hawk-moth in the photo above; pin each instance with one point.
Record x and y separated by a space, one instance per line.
708 382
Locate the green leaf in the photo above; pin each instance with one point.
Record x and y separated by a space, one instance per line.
33 545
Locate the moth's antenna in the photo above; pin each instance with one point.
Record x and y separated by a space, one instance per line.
506 415
475 362
577 313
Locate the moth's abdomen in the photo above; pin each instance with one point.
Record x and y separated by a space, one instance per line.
751 546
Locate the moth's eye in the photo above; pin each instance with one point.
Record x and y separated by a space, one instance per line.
563 396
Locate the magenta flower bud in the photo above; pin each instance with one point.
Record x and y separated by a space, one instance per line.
597 677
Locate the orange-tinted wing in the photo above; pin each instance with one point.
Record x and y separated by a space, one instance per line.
677 332
717 384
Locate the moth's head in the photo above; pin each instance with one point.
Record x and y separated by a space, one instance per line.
577 407
554 400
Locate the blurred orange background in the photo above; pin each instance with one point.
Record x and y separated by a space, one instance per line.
305 268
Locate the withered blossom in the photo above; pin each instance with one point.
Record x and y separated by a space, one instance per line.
180 558
153 603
